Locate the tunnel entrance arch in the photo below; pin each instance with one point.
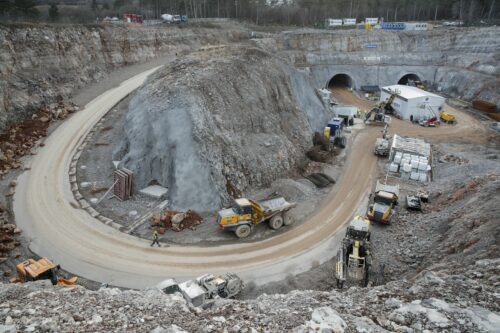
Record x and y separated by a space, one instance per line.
341 81
408 78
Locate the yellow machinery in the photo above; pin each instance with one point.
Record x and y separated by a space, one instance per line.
246 213
42 269
447 117
354 259
386 197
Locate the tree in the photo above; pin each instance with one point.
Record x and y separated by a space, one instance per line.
94 5
53 12
26 7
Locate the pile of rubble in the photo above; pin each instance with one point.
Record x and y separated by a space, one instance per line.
8 240
19 139
176 221
458 301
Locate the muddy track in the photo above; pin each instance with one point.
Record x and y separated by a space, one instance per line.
44 207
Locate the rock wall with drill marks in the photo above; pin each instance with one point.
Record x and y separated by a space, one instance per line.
460 62
209 129
40 63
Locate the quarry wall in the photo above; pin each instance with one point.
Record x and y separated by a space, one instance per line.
460 62
40 63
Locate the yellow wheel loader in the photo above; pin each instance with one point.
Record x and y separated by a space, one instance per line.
246 213
42 269
354 261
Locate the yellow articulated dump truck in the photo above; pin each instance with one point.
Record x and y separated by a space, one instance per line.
384 200
246 213
42 269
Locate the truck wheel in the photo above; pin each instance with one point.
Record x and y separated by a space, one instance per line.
276 222
243 231
343 142
287 218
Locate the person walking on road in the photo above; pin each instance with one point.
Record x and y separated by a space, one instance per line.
155 239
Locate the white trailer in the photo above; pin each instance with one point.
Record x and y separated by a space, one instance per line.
333 23
349 21
371 20
346 112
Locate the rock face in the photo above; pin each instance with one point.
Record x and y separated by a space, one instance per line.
433 301
38 64
460 62
210 126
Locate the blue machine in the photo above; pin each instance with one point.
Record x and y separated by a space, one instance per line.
336 126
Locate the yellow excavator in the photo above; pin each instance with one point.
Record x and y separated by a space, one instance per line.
42 269
379 114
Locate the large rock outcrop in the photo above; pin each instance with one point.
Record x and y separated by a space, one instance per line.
218 122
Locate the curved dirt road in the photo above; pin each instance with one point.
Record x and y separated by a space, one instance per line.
45 210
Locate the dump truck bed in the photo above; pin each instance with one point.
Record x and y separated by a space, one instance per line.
387 188
273 206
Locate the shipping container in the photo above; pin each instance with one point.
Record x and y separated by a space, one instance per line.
484 106
349 21
393 25
333 22
371 20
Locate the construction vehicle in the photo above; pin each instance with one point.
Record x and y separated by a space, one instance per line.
384 200
42 269
333 132
432 121
246 213
379 114
413 202
447 118
418 84
354 261
205 287
382 147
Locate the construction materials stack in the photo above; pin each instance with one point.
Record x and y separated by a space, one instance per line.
410 157
122 187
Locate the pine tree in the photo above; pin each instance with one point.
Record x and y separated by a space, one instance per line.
53 12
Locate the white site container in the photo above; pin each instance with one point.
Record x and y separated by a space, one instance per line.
405 175
393 167
415 175
406 156
422 176
407 167
415 157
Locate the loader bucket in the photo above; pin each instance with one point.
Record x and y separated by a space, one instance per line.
67 282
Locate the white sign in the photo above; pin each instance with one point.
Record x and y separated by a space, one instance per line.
371 58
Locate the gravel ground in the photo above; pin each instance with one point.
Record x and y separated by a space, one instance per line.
95 172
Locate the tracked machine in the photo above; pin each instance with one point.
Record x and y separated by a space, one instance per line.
379 114
354 260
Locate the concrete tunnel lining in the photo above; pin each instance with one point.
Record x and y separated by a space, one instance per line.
341 80
409 76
